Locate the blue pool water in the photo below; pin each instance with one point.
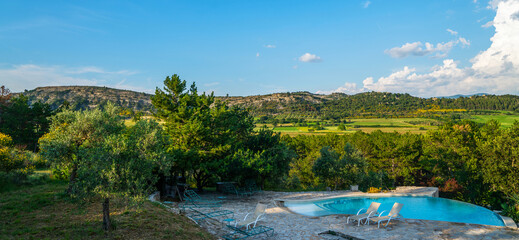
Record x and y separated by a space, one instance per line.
425 208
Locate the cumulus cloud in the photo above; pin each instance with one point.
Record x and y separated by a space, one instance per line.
420 49
495 70
307 57
515 16
29 76
348 88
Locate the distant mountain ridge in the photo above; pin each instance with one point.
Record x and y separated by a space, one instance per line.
467 95
87 97
290 104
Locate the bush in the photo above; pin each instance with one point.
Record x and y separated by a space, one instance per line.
374 190
5 140
511 208
36 160
11 159
11 179
61 172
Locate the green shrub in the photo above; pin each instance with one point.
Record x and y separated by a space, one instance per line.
36 160
5 140
511 209
11 159
61 172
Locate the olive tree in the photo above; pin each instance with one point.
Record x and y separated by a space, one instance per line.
105 158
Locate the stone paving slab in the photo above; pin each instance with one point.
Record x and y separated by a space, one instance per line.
293 226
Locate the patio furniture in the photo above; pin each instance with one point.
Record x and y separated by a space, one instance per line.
239 233
193 204
394 213
190 195
197 215
370 212
252 218
231 189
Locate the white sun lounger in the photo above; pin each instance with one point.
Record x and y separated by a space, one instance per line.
394 213
370 212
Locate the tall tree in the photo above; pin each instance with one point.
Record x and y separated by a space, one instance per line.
203 129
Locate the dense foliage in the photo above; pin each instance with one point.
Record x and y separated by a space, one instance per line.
24 122
15 164
339 170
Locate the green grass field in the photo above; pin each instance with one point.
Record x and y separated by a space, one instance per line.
505 120
43 211
401 125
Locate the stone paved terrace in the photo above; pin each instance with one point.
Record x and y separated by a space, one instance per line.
293 226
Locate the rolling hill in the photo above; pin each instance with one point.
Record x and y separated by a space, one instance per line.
295 104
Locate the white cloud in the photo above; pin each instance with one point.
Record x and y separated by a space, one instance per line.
348 88
270 46
29 76
452 32
495 70
211 84
408 49
366 4
464 42
257 54
307 57
419 49
488 24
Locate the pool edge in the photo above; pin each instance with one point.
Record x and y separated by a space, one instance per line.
509 222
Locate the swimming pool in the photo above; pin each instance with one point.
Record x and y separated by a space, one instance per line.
425 208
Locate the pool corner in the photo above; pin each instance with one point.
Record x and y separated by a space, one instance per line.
509 222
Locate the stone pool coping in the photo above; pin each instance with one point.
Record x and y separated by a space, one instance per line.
399 192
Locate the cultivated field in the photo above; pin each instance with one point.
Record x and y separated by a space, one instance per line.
401 125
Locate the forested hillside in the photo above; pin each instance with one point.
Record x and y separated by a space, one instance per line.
89 97
293 105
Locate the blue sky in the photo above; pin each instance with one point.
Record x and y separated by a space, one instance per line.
426 48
